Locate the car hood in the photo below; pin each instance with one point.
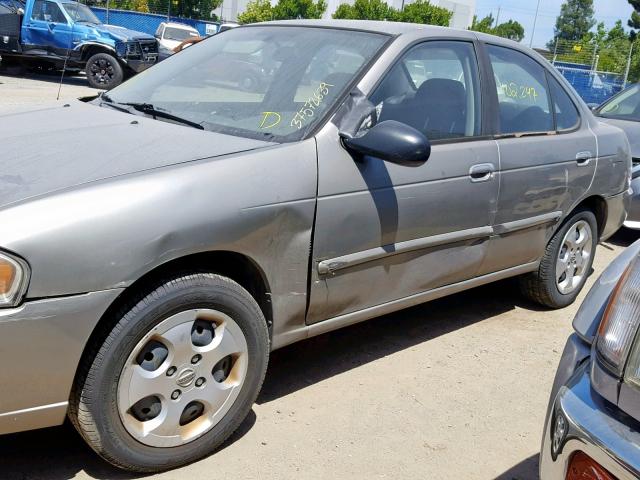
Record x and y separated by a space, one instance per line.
122 34
55 147
632 129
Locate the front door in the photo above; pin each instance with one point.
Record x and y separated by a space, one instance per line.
47 29
385 232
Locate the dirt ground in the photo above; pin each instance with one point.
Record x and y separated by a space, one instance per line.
452 389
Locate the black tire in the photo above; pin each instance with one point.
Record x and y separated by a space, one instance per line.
93 404
540 286
104 71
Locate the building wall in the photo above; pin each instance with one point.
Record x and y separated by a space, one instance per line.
463 10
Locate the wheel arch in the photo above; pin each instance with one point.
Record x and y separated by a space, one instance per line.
87 50
598 206
236 266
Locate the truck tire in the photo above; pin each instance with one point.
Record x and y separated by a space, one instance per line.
172 374
566 263
104 71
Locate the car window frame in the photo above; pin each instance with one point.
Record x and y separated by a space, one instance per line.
496 104
60 10
485 112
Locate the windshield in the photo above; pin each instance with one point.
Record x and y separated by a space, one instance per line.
179 34
625 106
264 82
80 13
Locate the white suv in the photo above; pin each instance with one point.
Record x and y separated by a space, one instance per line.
170 34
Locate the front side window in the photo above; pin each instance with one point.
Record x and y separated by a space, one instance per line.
265 82
625 106
47 12
523 99
433 88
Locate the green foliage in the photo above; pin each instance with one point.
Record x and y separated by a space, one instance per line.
291 9
261 10
511 29
574 22
365 9
257 11
420 11
634 21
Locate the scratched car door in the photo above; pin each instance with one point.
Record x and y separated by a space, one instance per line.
386 232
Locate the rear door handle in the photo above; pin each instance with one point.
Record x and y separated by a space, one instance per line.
481 172
583 158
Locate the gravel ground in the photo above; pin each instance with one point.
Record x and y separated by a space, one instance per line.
453 389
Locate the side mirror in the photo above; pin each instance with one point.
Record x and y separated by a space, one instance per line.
392 141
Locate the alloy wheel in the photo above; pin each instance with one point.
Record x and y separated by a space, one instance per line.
182 377
573 257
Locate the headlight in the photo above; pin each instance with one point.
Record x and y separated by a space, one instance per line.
14 277
620 321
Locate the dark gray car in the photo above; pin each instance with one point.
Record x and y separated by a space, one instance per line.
160 240
623 111
591 428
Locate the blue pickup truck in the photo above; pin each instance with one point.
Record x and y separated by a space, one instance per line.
67 34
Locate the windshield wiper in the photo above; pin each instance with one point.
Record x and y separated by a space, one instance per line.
149 109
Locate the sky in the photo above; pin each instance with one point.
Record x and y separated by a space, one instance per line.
607 11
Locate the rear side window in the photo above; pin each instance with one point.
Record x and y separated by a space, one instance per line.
523 95
567 116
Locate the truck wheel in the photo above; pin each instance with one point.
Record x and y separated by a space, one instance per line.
566 263
173 375
104 71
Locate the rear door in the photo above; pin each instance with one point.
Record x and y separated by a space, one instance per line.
47 29
386 232
547 157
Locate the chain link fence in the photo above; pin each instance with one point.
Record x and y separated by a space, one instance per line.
595 73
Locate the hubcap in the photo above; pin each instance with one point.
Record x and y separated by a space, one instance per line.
574 256
182 378
101 70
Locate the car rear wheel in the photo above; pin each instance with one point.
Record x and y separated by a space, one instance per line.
566 264
174 375
104 71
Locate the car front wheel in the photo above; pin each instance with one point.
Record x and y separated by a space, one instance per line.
173 375
104 71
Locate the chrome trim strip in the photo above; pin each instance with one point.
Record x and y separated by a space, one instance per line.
35 409
332 265
510 227
334 323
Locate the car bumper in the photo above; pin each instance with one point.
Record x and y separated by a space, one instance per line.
633 211
617 207
595 427
141 65
41 343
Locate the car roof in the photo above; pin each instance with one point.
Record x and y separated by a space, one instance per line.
396 28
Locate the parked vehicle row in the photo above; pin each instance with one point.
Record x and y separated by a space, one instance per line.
66 34
370 166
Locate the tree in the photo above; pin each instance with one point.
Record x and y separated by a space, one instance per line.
421 11
574 22
485 25
510 29
365 10
634 21
291 9
257 11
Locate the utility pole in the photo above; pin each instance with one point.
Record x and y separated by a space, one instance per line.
535 20
626 72
498 17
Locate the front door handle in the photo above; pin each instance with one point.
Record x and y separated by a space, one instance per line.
583 158
481 172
